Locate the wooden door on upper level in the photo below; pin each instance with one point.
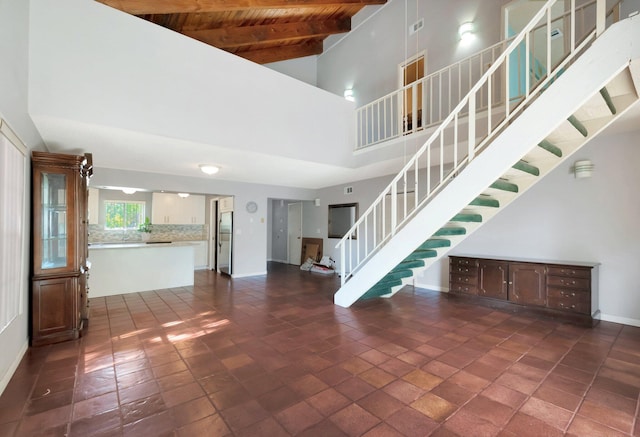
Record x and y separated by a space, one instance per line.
411 71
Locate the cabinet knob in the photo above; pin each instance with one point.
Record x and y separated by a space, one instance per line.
510 283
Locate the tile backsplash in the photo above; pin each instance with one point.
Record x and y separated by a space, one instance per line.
97 234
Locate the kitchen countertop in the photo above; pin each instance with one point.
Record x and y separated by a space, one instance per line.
138 245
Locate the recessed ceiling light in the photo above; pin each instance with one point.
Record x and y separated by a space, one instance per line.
209 169
183 195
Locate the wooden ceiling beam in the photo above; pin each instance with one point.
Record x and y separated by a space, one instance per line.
231 37
282 53
140 7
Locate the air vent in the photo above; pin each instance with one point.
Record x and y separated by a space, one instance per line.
348 190
556 33
416 26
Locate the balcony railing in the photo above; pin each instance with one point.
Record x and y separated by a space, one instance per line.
425 103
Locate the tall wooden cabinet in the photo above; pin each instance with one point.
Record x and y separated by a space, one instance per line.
59 301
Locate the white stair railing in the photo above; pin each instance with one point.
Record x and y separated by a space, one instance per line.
436 95
477 118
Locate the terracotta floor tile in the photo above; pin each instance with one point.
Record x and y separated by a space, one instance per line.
272 356
607 415
581 426
298 417
527 426
410 422
403 391
562 399
422 379
547 412
434 407
244 415
328 401
490 410
380 404
354 420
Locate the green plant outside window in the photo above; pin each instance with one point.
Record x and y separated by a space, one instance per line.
123 215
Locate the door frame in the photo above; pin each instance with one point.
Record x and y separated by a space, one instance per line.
289 233
213 234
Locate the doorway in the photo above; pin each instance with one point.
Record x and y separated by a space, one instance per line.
213 234
410 72
294 233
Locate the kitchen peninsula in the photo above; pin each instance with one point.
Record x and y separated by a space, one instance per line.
120 268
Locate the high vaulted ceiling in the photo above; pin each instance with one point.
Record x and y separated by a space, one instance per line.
261 31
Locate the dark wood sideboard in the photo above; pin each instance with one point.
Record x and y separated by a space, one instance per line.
561 290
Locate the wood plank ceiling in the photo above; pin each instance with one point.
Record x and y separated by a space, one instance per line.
261 31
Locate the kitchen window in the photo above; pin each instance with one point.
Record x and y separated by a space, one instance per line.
123 214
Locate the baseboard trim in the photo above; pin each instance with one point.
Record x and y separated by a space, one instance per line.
12 369
282 261
246 275
432 287
621 320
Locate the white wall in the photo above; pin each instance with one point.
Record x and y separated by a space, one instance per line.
14 33
96 65
304 69
367 59
563 218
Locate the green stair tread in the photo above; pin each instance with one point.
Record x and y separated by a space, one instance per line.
485 201
504 186
434 243
546 145
578 125
371 294
604 92
421 254
451 230
527 168
404 265
399 274
476 218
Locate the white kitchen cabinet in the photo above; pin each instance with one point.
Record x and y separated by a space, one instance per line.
94 205
200 249
226 204
169 208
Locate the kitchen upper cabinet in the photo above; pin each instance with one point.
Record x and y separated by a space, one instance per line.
226 204
94 205
169 208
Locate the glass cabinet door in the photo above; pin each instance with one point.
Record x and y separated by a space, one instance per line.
54 226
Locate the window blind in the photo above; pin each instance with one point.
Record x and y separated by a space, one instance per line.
13 224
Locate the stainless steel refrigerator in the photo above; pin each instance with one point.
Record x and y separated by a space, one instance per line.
225 242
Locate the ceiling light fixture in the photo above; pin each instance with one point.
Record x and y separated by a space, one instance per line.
129 190
466 31
209 169
183 195
348 94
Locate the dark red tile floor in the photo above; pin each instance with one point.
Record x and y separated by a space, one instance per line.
272 356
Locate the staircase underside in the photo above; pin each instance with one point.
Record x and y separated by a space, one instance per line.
573 110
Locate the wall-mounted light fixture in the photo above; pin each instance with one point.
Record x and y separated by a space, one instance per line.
317 202
583 169
183 195
348 94
209 169
129 190
466 32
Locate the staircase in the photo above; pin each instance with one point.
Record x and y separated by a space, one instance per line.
495 156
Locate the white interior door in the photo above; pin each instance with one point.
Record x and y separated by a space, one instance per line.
294 233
